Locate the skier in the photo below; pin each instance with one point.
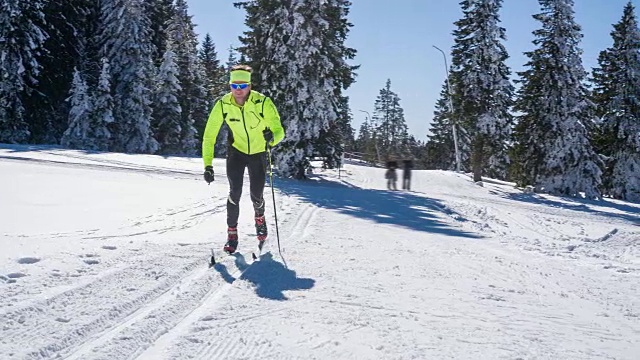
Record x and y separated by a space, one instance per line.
254 122
390 175
406 174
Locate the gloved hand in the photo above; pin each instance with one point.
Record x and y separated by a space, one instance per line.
208 174
268 135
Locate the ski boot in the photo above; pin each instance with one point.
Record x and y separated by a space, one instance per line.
232 240
261 228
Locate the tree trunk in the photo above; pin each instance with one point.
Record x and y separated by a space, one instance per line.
477 159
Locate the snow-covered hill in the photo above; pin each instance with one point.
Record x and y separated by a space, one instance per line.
104 256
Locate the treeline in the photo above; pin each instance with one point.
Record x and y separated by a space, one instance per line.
563 131
130 75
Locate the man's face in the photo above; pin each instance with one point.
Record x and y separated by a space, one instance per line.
240 88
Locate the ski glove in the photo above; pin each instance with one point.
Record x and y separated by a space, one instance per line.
208 174
268 135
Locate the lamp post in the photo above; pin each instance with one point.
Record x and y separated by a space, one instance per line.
453 125
375 142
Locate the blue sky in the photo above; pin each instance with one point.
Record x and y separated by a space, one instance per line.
396 42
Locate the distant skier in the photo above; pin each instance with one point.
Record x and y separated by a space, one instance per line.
406 174
391 175
253 121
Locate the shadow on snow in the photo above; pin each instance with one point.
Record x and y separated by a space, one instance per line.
270 278
381 206
627 212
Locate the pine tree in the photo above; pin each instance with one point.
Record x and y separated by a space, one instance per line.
215 73
617 95
160 13
350 137
193 97
102 110
392 127
65 50
167 111
332 141
128 47
480 78
343 125
367 142
232 60
440 149
216 83
21 40
202 104
77 134
554 150
90 54
294 64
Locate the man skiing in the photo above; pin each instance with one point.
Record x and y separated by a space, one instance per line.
391 175
406 174
253 122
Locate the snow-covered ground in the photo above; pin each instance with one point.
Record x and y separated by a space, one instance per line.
105 256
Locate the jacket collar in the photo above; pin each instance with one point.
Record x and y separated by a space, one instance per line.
229 99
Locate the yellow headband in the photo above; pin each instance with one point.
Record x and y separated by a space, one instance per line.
240 75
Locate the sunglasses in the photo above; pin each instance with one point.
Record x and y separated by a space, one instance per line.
239 86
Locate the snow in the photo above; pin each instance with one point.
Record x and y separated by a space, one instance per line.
104 256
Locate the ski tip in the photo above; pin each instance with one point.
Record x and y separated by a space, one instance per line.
253 256
212 262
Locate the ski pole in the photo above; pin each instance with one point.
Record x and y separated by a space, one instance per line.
273 195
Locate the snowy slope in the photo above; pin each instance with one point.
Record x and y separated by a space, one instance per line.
104 256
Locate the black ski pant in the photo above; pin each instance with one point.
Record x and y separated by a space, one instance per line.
406 181
236 163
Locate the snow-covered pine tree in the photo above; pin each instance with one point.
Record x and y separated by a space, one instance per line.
128 47
167 112
617 96
344 124
160 12
555 152
21 40
201 109
64 50
217 84
232 60
391 125
337 138
89 116
367 141
285 46
440 148
332 140
217 78
193 97
102 110
480 78
90 55
77 135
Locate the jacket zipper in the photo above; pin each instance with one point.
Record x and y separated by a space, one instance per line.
246 132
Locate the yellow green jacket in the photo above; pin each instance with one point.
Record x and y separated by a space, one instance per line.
246 123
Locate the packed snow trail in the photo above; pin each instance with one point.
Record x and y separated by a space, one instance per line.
450 270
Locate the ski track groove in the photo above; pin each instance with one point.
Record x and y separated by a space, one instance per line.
150 322
212 297
218 346
54 325
45 299
124 328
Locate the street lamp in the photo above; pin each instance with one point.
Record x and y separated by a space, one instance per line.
453 126
375 142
